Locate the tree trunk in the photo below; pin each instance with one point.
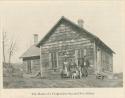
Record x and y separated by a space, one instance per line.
4 60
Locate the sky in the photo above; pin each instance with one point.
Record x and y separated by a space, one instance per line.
104 19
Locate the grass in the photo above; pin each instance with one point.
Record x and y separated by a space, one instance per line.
89 82
13 77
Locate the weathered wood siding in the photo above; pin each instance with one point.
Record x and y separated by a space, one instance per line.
107 61
65 38
35 65
65 32
77 42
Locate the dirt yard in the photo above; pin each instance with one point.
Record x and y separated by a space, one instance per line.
89 82
13 77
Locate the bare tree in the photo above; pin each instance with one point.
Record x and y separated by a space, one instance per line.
7 45
11 51
3 45
10 45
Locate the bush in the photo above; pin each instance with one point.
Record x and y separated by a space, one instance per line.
17 72
9 70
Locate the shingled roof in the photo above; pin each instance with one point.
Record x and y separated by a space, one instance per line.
33 51
63 19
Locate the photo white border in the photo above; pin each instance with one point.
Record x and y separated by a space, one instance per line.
28 93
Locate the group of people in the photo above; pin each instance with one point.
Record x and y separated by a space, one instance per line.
72 70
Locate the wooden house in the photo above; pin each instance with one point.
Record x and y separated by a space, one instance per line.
67 40
31 58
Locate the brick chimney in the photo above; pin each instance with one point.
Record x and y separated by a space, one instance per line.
80 23
35 38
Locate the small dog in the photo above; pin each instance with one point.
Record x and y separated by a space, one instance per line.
75 74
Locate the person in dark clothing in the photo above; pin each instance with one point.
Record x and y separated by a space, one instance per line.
72 65
84 63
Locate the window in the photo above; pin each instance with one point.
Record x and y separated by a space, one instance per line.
82 53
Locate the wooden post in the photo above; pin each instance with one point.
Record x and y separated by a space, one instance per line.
111 57
95 57
101 60
41 62
57 59
76 57
98 66
50 62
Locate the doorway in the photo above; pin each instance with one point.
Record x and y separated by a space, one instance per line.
28 66
54 60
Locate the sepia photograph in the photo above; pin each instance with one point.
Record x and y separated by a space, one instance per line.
62 44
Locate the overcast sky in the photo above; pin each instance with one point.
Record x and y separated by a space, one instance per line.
104 19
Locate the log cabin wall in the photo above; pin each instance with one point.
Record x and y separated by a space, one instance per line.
107 61
68 38
65 39
104 60
31 64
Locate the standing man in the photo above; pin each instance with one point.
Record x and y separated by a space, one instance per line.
84 66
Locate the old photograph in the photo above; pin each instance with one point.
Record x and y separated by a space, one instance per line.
62 45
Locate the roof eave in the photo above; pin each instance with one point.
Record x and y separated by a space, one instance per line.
102 43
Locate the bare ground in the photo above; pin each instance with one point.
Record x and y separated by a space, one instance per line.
89 82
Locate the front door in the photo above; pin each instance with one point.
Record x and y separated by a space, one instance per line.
54 60
28 66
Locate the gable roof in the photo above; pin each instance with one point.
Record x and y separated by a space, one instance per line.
63 19
31 52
